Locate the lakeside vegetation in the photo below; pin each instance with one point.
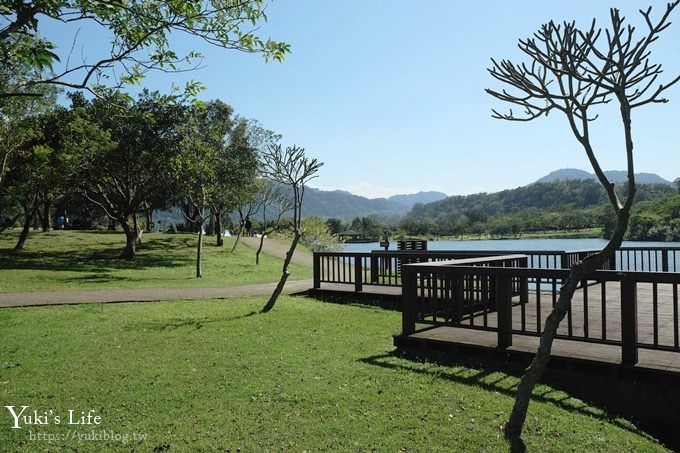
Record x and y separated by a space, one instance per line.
310 376
78 260
559 209
657 220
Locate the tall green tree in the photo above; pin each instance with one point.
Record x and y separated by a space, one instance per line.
572 71
29 157
124 154
26 166
214 162
236 171
17 130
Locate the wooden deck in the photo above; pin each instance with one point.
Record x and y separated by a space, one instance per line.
523 344
524 319
619 346
587 321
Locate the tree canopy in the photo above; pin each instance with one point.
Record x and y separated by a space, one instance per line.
140 40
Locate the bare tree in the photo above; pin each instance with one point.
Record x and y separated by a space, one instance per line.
247 206
271 195
291 168
573 71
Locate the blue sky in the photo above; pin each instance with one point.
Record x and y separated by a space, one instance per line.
390 94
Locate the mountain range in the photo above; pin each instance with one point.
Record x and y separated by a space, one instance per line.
346 206
615 176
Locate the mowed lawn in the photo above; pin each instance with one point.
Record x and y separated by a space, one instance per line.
73 260
308 376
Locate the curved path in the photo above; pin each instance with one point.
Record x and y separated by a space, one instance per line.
28 299
278 249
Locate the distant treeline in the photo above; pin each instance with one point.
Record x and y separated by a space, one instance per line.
560 206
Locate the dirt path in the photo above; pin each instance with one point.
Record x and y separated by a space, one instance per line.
104 296
274 248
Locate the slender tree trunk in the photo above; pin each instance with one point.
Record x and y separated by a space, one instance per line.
264 224
46 215
284 275
36 218
29 211
259 249
210 228
577 273
199 251
138 231
10 222
130 240
218 228
238 236
149 219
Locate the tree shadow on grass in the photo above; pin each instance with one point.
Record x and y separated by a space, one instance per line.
154 253
96 278
461 373
192 323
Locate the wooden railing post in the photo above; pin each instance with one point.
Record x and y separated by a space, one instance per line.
612 262
317 270
629 352
358 274
458 297
564 260
409 301
504 310
524 283
374 268
664 260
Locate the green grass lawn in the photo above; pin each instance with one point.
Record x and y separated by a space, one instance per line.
309 376
73 260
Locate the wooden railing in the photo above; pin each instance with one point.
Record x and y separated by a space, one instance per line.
383 268
651 259
342 268
630 309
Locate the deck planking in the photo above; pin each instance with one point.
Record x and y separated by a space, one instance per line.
586 323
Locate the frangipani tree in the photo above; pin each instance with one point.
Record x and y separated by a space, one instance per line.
292 169
573 71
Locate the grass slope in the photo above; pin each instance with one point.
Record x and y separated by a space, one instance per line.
309 376
74 260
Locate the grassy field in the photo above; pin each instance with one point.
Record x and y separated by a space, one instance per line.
309 376
74 260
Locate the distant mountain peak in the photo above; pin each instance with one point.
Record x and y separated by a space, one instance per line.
615 176
421 197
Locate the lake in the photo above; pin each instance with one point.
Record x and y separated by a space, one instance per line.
512 244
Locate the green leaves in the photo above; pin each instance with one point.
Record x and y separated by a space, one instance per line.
142 31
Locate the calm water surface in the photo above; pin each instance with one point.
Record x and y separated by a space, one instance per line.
513 244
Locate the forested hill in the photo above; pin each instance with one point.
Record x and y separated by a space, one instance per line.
346 206
615 176
559 196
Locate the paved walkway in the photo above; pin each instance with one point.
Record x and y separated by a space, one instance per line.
27 299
